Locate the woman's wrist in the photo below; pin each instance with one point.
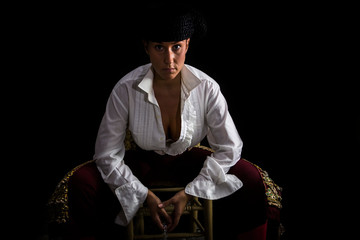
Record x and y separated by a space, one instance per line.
188 196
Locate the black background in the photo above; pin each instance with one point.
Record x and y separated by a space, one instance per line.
277 66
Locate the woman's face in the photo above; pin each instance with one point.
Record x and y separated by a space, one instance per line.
167 58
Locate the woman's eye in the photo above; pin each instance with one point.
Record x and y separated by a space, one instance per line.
176 47
159 47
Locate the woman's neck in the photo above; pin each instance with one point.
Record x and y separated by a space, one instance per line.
167 83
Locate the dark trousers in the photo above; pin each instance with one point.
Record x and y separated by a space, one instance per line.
93 206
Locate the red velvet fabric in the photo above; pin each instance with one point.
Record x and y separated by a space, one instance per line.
256 233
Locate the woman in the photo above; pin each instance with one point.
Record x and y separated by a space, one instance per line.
169 107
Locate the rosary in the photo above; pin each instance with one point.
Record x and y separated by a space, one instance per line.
165 231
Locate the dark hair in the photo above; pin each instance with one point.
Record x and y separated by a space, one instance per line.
167 23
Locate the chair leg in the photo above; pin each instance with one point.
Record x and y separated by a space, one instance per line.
141 223
194 214
130 230
208 219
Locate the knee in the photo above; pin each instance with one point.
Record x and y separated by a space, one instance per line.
249 175
83 188
85 185
87 177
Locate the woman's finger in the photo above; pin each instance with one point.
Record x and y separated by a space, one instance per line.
166 217
165 203
175 220
158 221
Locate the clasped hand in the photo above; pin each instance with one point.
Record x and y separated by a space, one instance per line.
159 214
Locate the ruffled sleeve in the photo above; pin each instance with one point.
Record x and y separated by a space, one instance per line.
109 157
131 196
213 182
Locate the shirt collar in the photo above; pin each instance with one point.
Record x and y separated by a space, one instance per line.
189 79
189 82
146 85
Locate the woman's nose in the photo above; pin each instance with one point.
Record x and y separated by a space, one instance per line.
169 57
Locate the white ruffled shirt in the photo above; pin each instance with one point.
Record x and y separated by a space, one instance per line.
204 112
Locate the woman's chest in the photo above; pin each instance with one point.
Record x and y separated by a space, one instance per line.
182 120
170 109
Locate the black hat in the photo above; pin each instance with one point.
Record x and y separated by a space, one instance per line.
168 24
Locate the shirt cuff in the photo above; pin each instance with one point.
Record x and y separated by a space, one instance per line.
213 183
130 195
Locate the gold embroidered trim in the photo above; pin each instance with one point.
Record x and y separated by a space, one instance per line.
58 203
272 190
129 141
204 147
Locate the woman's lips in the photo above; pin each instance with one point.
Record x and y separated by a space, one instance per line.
169 70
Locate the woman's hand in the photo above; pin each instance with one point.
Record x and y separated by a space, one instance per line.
179 200
158 214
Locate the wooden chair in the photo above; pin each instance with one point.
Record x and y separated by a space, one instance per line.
136 228
59 209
